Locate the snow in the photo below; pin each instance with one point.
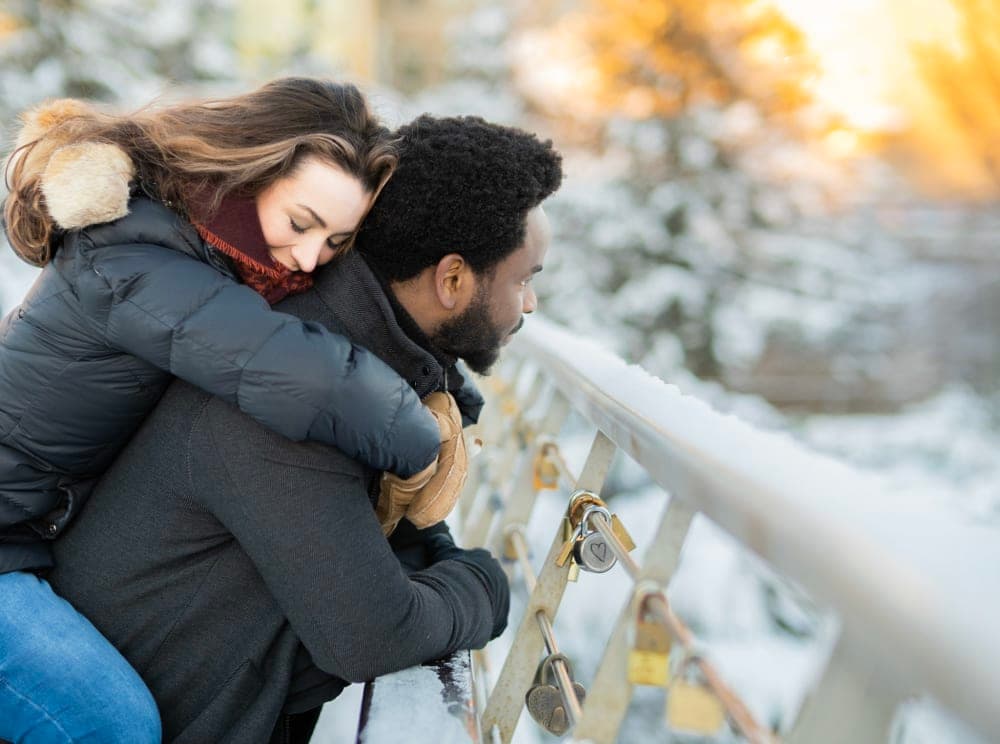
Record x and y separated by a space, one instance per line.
423 687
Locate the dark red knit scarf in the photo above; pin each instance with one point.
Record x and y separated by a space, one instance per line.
235 231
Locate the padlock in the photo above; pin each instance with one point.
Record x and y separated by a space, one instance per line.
545 472
692 708
568 538
622 534
574 572
544 701
649 656
578 504
590 550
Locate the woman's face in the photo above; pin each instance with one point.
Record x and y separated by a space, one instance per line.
307 216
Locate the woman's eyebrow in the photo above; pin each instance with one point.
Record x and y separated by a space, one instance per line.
315 216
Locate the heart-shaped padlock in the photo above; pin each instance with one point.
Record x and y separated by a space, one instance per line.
545 702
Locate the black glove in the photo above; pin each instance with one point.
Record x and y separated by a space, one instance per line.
418 549
441 547
494 581
415 548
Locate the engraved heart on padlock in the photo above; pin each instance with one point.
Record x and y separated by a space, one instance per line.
545 704
600 550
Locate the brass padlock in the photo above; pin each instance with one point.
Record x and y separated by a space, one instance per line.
692 707
649 656
509 406
568 538
545 471
574 572
622 534
544 701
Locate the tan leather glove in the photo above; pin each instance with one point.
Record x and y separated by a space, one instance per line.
429 496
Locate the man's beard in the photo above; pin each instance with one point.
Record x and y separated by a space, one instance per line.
472 336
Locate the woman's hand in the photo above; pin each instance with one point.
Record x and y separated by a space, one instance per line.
429 496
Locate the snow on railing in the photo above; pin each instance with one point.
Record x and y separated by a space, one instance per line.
913 619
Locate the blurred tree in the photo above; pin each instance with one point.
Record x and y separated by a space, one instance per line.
664 82
698 224
659 58
120 51
967 82
124 51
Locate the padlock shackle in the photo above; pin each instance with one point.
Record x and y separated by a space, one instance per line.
549 661
590 511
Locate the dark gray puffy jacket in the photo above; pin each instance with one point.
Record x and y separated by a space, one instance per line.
126 305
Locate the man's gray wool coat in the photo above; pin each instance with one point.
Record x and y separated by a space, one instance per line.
213 546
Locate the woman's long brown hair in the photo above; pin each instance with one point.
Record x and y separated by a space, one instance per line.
192 155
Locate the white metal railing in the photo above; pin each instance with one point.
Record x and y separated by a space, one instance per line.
912 620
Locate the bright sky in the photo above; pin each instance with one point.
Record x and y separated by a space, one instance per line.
864 51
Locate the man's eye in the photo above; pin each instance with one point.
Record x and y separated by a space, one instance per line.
295 226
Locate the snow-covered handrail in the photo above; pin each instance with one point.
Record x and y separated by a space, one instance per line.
909 620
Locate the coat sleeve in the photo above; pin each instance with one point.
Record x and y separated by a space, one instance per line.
295 377
303 516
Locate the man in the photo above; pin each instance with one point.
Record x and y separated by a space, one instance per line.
245 576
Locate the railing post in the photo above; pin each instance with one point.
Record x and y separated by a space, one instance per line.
847 705
507 698
611 692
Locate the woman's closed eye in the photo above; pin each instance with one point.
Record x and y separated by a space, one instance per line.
331 243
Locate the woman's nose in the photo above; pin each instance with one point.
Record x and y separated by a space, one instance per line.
307 256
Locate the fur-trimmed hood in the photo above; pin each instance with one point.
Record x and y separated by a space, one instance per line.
83 183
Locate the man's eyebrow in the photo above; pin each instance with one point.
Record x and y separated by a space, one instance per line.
536 269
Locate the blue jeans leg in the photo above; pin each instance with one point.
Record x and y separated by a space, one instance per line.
60 679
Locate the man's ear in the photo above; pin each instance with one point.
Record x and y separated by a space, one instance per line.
451 277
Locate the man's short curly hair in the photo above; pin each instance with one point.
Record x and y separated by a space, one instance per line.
463 185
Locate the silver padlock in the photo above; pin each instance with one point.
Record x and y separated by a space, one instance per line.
591 551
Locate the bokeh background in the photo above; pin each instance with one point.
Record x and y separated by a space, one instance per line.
787 207
791 198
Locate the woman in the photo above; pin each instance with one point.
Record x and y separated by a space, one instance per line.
234 203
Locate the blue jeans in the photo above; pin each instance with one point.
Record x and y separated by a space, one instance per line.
60 679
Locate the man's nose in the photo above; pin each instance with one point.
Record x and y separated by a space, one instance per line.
530 301
306 255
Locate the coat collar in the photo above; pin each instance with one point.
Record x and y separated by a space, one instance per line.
353 295
350 299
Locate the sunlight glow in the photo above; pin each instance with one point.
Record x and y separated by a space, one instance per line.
864 49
